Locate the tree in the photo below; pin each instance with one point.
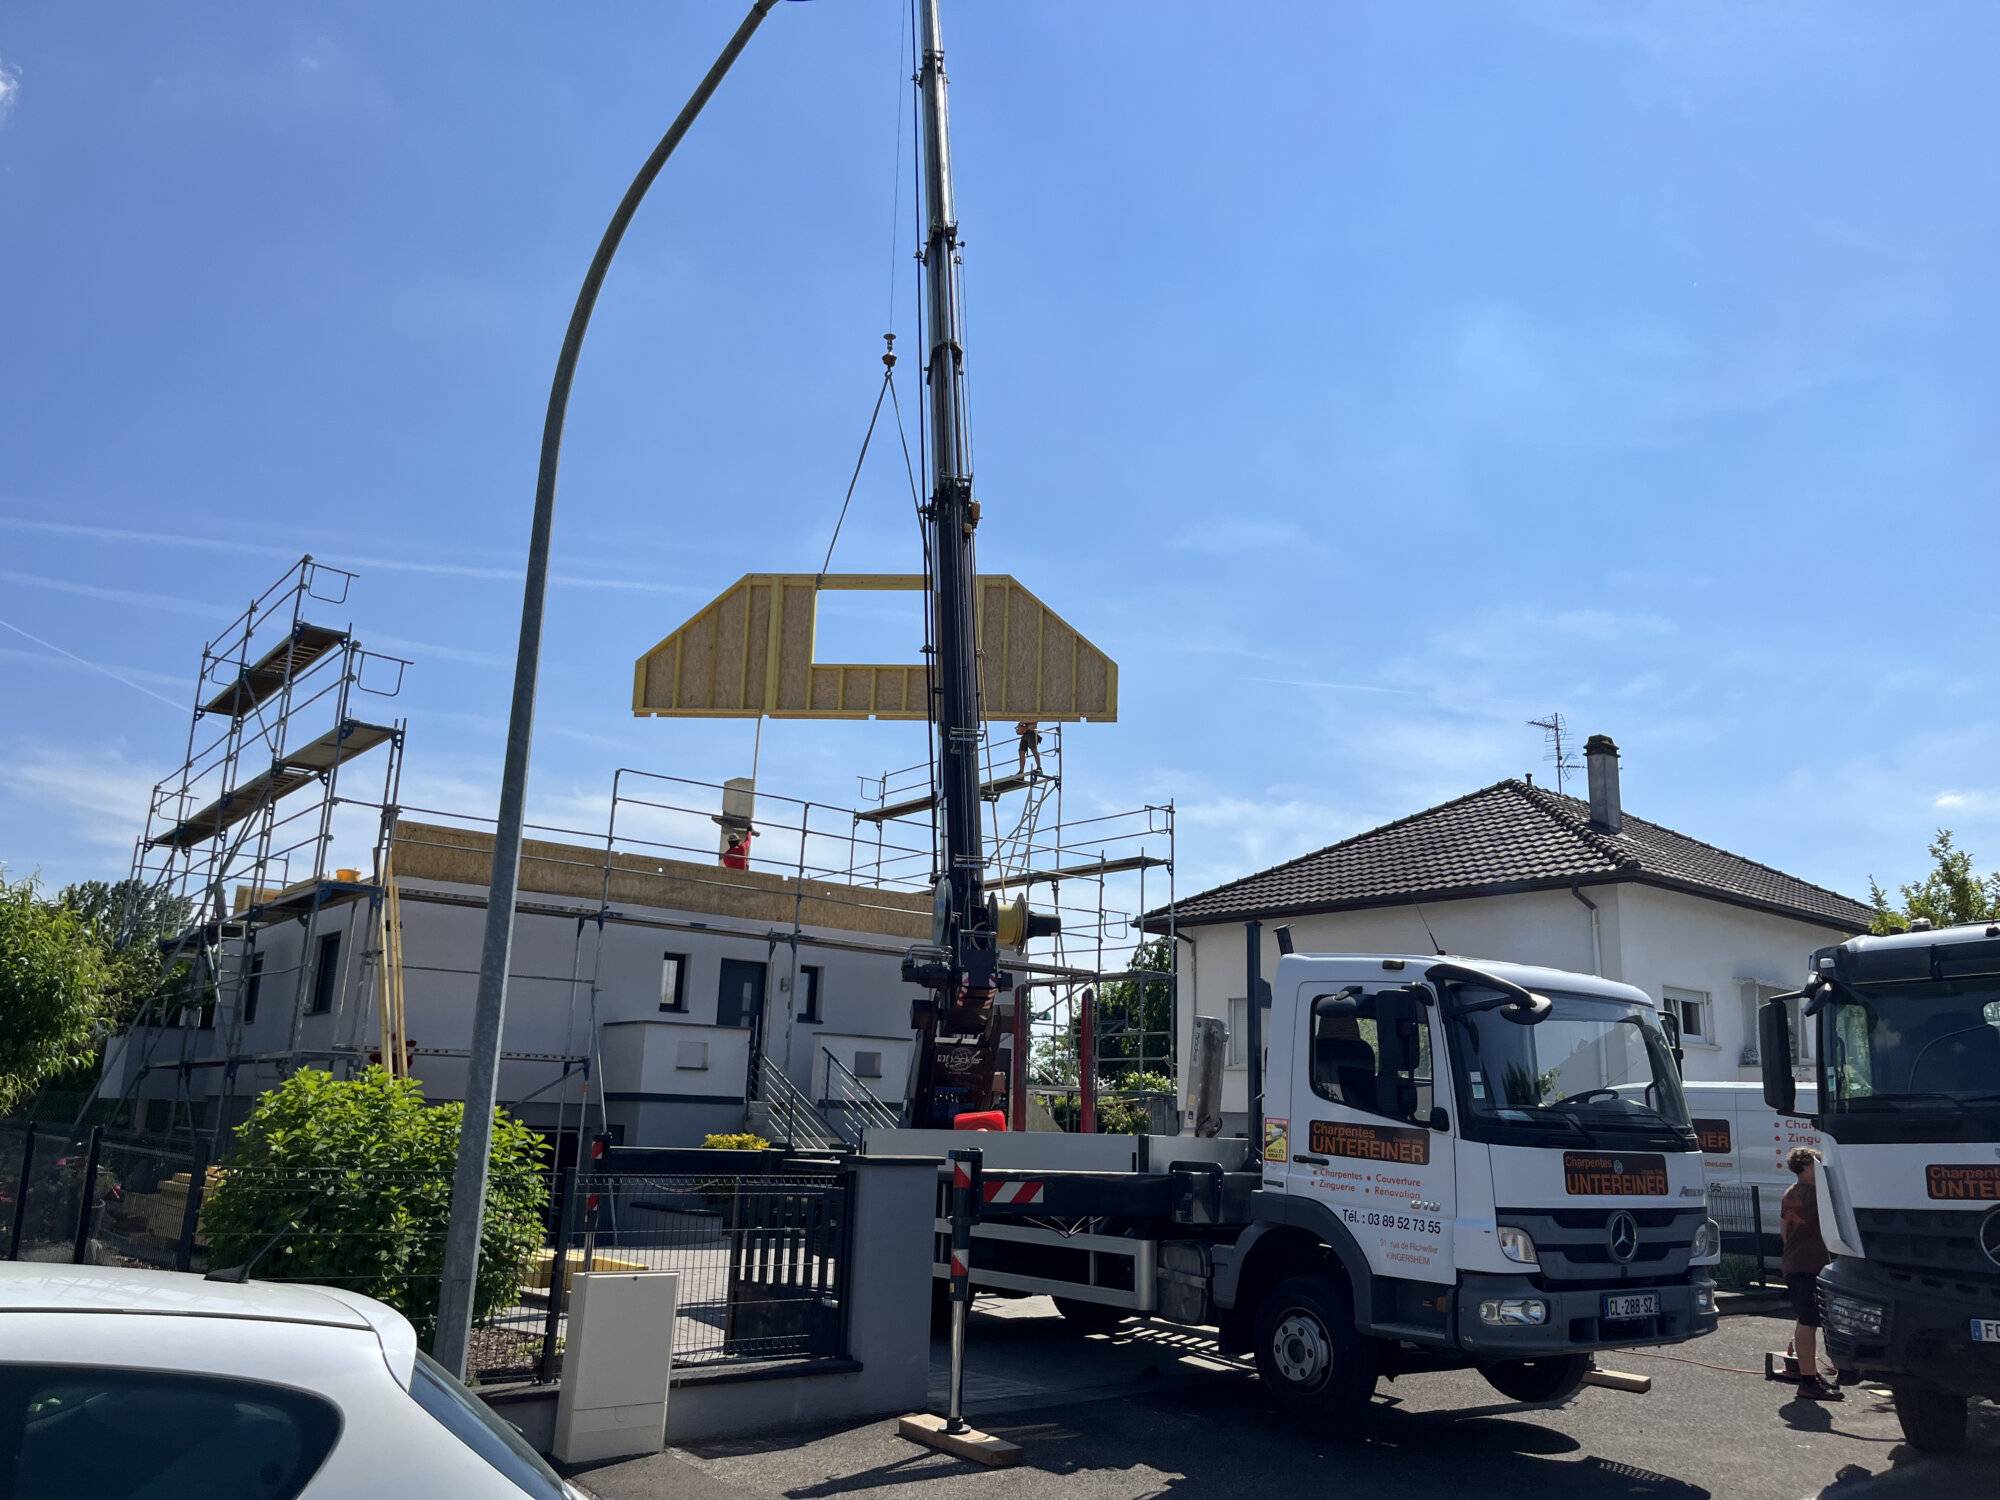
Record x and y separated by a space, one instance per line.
357 1174
1135 1024
130 920
1949 895
53 986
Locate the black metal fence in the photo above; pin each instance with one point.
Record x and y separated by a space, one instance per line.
760 1241
1741 1211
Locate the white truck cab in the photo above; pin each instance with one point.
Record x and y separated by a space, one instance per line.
1908 1105
1457 1164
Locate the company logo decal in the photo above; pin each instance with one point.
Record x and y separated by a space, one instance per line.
1713 1136
1622 1235
1989 1236
1371 1142
1967 1182
1601 1174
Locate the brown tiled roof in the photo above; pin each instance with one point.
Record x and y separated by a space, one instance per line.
1509 836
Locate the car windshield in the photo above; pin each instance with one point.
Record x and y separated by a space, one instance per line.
1935 1041
1591 1060
483 1430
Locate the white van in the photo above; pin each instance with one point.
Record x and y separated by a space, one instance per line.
1744 1142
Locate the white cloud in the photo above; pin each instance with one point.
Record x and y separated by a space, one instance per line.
10 88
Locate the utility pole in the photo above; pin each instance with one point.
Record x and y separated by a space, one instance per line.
955 1024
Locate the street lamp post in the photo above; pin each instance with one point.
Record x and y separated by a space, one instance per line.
468 1187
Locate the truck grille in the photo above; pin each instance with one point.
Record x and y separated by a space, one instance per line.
1938 1247
1574 1244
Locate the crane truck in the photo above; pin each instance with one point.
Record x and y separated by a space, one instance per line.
1904 1037
1458 1164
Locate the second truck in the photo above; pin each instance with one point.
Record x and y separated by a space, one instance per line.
1903 1033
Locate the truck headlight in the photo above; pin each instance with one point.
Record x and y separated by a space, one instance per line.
1708 1241
1852 1318
1517 1310
1517 1245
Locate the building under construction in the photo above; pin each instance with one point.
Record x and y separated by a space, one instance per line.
716 957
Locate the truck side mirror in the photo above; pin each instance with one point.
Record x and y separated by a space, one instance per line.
1774 1055
1398 1014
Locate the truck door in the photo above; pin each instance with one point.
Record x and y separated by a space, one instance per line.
1361 1139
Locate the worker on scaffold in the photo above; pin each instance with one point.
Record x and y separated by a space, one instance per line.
1031 744
737 855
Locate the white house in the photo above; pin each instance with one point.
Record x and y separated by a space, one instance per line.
649 1002
1516 872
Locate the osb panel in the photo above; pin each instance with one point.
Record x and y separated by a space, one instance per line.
463 856
1034 664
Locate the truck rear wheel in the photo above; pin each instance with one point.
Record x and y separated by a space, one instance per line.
1089 1317
1932 1419
1547 1381
1309 1354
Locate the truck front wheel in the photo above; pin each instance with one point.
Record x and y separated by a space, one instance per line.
1933 1420
1548 1381
1309 1355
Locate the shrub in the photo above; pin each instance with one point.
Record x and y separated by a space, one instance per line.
741 1140
357 1172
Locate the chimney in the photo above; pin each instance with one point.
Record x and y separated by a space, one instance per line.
1601 756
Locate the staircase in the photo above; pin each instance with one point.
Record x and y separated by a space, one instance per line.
784 1116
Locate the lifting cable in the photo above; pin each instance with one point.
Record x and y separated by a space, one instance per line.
888 377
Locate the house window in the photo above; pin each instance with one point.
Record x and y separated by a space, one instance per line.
1754 996
1691 1009
1239 1033
867 1065
326 974
673 981
253 989
809 993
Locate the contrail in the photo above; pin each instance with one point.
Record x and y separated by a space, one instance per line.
94 666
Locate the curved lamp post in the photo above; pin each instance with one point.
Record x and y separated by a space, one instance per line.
468 1187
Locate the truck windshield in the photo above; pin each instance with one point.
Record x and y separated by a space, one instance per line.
1934 1042
1591 1063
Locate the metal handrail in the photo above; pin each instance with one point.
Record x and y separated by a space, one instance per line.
803 1125
857 1095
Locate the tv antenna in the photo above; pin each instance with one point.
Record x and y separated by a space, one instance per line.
1556 729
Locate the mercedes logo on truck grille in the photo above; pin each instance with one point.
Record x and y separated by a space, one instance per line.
1989 1236
1623 1236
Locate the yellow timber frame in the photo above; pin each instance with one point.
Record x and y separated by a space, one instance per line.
750 653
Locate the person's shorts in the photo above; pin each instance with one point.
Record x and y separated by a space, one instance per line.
1802 1287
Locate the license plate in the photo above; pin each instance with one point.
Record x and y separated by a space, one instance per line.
1619 1305
1986 1330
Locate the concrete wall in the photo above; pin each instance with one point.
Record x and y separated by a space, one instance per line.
888 1366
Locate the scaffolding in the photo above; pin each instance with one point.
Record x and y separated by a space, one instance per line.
1087 997
281 760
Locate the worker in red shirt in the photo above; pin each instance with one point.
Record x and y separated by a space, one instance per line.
1805 1254
737 855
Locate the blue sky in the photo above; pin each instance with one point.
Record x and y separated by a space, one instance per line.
1366 379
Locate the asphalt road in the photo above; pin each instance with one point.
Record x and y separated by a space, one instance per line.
1154 1411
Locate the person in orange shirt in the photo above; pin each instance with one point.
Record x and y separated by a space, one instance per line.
1805 1255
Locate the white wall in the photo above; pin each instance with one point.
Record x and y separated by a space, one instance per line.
1671 940
550 1003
